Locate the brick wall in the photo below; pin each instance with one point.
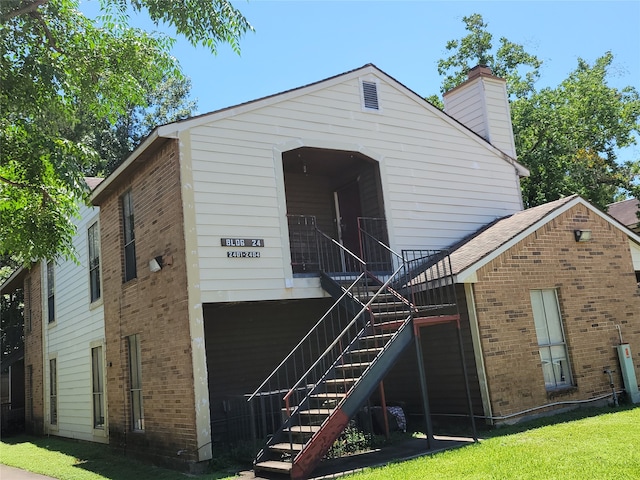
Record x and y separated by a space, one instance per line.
34 413
153 305
596 290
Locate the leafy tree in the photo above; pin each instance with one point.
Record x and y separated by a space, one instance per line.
169 102
566 136
58 67
11 307
510 61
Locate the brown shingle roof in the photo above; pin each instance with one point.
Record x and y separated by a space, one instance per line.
491 237
625 211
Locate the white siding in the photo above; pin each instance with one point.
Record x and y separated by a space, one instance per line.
635 255
482 105
79 326
440 182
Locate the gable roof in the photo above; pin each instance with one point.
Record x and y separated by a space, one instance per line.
625 211
476 250
173 130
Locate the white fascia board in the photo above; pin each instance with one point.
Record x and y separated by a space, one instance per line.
11 279
469 274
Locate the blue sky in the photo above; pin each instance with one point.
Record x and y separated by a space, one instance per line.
300 42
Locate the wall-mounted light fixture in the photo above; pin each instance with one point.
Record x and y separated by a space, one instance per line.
582 235
156 264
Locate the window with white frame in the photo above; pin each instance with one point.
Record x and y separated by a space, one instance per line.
53 392
93 239
51 304
551 340
97 380
135 383
129 237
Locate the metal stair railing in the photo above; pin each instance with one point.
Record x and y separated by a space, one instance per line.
266 402
334 356
428 282
330 380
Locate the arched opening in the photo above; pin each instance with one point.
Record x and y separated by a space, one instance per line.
330 190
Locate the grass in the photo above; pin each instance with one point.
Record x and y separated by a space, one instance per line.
66 459
583 444
606 446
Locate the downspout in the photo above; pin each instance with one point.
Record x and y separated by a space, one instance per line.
477 351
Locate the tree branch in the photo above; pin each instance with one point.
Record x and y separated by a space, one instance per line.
45 194
47 33
26 8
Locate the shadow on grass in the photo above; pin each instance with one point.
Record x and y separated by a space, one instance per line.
461 426
101 459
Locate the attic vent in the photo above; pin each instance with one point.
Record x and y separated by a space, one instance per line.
370 93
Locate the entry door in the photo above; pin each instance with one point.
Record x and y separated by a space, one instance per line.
348 209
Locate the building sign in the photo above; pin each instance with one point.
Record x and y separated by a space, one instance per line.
242 242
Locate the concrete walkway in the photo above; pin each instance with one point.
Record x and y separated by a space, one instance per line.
11 473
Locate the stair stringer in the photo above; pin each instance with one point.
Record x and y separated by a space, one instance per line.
313 451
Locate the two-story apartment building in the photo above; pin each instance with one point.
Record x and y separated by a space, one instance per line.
225 238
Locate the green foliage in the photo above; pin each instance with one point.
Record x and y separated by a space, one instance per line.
58 68
510 61
351 440
11 322
169 102
569 136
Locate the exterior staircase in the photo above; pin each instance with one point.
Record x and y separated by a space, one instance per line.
309 399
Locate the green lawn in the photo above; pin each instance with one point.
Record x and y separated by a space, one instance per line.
70 460
605 445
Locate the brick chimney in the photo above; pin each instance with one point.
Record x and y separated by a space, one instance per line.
482 104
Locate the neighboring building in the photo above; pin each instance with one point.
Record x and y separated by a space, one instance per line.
64 378
546 307
213 268
626 212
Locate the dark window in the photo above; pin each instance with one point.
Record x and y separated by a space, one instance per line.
97 377
53 392
129 237
51 311
135 380
29 393
94 261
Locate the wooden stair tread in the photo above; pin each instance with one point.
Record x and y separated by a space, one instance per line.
302 429
329 395
286 447
316 411
353 366
365 351
274 466
338 381
380 337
